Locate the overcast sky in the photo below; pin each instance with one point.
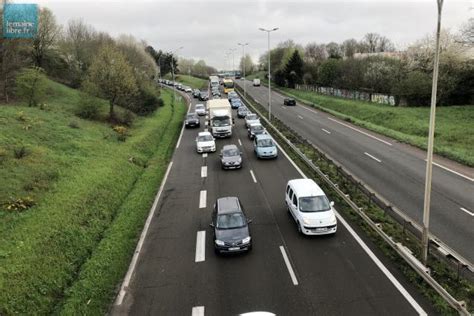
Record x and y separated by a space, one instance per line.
208 29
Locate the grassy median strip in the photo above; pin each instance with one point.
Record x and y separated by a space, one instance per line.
405 124
452 281
88 189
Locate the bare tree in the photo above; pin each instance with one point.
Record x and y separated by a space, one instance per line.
372 42
349 47
46 37
315 53
385 45
467 33
334 50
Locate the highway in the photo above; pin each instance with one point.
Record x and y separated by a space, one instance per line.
395 170
178 273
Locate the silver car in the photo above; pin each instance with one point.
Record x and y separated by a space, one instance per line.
231 157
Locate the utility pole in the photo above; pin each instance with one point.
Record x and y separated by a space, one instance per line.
243 65
269 73
172 71
429 158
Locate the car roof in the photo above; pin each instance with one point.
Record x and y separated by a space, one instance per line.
226 205
306 187
199 104
263 136
229 146
204 133
255 124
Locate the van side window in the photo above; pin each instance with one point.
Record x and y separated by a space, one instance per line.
287 189
295 200
290 194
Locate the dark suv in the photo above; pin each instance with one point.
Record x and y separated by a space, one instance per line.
204 95
231 226
289 101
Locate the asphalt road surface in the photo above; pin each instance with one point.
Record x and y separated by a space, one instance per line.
178 273
394 170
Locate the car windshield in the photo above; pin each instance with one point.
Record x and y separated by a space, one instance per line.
220 122
243 109
204 138
229 84
265 143
314 204
229 221
252 117
257 128
230 152
191 116
199 107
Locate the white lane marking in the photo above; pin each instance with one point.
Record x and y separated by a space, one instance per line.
455 172
367 250
466 211
203 171
198 311
300 117
253 176
360 131
200 246
138 249
326 131
288 266
206 123
204 155
309 109
180 136
207 117
202 199
380 265
374 158
206 130
240 143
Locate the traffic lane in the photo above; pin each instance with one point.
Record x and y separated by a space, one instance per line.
252 281
166 265
338 262
399 179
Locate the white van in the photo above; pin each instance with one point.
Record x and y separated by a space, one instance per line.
310 208
256 82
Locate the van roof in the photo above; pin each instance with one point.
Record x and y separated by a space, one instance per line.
306 187
204 133
263 136
228 204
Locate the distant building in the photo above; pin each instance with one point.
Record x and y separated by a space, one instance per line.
396 55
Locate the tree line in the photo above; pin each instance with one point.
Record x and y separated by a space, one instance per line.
374 65
121 70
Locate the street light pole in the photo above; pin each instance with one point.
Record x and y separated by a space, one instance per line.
243 65
429 158
172 72
269 83
233 61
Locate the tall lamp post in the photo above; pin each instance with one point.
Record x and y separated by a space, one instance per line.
172 71
243 64
232 50
429 157
269 87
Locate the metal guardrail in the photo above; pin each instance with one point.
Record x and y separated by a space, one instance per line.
402 251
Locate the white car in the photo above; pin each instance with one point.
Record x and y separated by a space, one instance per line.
188 89
251 118
310 208
205 143
200 109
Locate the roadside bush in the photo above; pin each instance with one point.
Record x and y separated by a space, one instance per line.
20 152
147 101
87 107
122 132
125 118
74 124
19 204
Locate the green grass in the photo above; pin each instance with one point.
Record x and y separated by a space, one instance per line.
259 74
454 134
193 82
92 194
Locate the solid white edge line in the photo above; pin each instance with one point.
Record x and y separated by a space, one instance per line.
326 131
138 249
180 136
253 176
200 246
300 117
466 211
288 266
202 199
198 311
203 171
240 142
360 131
204 155
381 266
455 172
367 250
374 158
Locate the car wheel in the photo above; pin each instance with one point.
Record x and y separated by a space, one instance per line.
298 227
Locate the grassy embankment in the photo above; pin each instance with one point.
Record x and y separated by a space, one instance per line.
91 194
193 82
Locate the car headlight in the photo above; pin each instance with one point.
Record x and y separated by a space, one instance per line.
219 242
246 240
306 221
333 219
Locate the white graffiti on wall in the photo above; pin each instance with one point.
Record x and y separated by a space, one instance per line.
350 94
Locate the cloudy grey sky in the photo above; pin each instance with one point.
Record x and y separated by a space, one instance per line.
209 28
